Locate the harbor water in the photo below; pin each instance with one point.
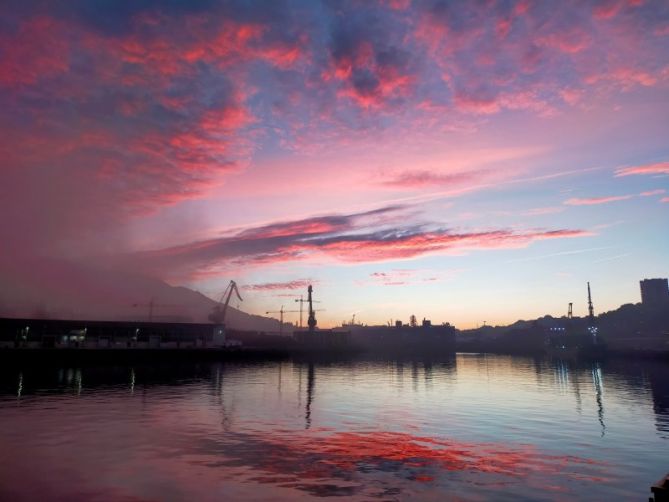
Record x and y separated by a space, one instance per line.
467 427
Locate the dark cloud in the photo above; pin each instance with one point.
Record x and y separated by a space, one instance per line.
365 82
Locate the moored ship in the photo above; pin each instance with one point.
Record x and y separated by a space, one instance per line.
405 339
389 340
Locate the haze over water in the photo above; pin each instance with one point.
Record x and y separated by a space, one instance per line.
472 427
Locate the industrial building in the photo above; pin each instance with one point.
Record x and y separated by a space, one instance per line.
654 292
53 333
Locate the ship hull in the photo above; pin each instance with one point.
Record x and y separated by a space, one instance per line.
387 341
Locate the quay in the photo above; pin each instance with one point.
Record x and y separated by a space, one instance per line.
85 334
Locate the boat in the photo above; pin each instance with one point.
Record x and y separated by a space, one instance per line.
398 340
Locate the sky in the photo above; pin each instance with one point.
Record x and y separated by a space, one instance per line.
459 161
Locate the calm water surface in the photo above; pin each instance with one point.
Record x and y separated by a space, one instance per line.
473 427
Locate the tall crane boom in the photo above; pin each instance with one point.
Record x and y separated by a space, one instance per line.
218 314
302 301
311 322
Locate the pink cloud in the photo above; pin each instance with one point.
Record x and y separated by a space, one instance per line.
419 244
397 4
571 96
626 77
39 49
470 102
134 157
650 193
419 179
607 9
591 201
570 41
664 199
483 103
657 168
631 76
371 76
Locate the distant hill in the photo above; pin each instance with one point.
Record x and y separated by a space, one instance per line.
627 320
63 290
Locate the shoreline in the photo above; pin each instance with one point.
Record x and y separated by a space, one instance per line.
142 355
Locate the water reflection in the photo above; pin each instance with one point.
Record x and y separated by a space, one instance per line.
311 383
132 380
19 390
298 460
477 427
658 377
597 382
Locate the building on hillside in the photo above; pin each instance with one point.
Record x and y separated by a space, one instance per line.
654 291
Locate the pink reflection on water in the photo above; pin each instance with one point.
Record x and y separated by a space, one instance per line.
320 461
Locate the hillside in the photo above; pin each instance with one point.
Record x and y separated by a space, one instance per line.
85 292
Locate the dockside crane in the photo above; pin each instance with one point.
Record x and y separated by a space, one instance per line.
218 314
220 310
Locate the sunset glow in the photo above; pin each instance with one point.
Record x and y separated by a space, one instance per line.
458 161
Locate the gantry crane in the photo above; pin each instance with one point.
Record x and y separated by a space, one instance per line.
218 314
